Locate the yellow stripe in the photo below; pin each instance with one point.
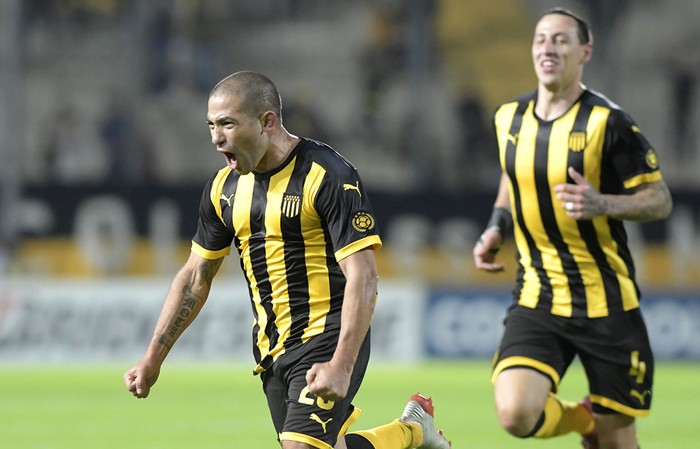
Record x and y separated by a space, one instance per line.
630 300
644 178
241 223
210 255
557 164
529 206
629 293
503 119
596 140
315 246
596 299
216 189
311 441
599 308
349 422
274 254
531 287
370 241
620 408
526 362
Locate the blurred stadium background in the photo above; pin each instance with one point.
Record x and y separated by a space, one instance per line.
104 152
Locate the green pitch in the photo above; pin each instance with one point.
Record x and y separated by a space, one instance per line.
222 406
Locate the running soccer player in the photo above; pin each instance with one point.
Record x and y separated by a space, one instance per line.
574 167
305 232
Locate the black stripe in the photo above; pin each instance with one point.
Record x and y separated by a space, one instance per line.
297 278
355 441
229 190
258 257
587 231
337 282
549 221
511 169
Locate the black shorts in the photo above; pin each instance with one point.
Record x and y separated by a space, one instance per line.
299 415
614 351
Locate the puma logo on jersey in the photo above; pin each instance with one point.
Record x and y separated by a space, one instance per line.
641 396
353 187
314 417
512 138
228 200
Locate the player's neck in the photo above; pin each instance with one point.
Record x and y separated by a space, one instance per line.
553 103
282 144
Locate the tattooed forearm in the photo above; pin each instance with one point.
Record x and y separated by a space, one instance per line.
187 310
165 342
649 202
185 299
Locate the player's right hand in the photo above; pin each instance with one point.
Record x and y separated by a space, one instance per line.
329 380
140 379
485 251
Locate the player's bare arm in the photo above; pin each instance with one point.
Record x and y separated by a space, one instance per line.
491 239
331 380
186 296
648 202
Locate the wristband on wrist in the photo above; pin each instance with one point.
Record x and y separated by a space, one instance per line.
501 220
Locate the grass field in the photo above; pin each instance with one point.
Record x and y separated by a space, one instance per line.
222 406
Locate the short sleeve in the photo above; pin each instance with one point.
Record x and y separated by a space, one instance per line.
344 206
631 155
212 239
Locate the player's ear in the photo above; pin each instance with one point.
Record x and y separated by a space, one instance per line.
268 120
587 53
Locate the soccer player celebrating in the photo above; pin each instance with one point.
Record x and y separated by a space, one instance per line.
574 167
305 232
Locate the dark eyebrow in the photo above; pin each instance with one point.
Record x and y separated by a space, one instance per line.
220 120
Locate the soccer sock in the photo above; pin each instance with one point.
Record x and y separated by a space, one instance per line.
562 417
389 436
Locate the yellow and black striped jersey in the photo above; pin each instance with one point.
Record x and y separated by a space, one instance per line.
290 226
569 267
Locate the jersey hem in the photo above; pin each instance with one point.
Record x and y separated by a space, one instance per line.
209 254
370 241
311 441
526 362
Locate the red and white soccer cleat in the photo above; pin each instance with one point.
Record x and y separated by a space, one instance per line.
420 410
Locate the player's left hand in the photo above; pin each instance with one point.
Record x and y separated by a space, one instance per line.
328 380
580 200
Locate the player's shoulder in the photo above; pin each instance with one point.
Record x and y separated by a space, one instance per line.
519 102
597 99
324 155
515 106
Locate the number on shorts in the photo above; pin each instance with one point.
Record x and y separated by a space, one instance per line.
639 368
305 397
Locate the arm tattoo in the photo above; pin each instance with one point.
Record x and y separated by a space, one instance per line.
652 202
187 309
190 303
208 270
165 342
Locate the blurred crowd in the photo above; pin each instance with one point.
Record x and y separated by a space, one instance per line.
115 90
112 98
